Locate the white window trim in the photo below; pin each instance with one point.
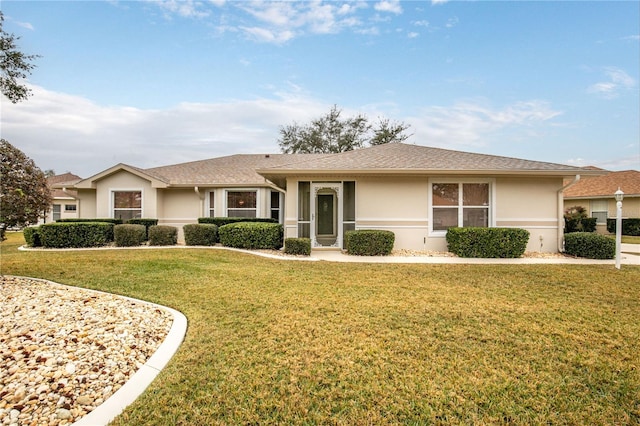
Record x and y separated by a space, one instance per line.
280 203
258 199
207 203
492 200
112 203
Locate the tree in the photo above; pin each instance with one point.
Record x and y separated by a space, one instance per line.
332 134
14 65
25 196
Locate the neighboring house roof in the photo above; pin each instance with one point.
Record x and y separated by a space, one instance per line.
604 186
58 183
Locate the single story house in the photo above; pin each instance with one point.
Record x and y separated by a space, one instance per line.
65 204
417 192
596 196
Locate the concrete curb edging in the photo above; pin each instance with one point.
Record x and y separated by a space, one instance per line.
141 379
138 383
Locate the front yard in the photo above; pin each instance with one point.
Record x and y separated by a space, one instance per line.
274 341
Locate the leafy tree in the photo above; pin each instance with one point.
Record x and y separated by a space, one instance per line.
25 196
14 65
332 134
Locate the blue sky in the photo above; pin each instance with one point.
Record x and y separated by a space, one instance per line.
151 83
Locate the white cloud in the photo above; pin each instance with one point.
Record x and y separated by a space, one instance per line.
392 6
413 35
183 8
70 133
437 2
267 35
618 81
469 123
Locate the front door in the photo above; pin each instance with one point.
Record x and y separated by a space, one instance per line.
326 211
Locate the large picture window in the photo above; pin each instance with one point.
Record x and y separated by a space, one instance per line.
127 204
241 204
459 205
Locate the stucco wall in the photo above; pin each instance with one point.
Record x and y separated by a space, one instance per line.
630 207
401 205
124 181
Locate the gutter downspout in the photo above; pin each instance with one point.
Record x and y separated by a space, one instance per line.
201 197
561 212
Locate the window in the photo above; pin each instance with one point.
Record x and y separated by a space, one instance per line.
212 204
127 204
69 207
304 209
600 210
275 205
459 204
241 203
56 212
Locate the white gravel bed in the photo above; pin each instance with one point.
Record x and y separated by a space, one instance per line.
65 350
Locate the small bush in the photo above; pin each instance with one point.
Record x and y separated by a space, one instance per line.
75 234
487 242
630 226
200 234
146 222
576 220
369 242
32 236
162 235
129 235
103 220
297 246
221 221
589 245
251 235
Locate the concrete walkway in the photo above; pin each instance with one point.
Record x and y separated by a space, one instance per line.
630 256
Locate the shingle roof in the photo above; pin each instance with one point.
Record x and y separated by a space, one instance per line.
405 157
628 181
239 169
57 182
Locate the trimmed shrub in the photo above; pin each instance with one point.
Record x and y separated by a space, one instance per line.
369 242
162 235
32 236
487 242
129 235
251 235
630 226
146 222
576 219
104 220
221 221
589 245
297 246
200 234
75 234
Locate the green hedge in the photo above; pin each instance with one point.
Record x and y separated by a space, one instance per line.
32 236
369 242
487 242
104 220
630 226
221 221
251 235
162 235
587 224
128 235
200 234
75 234
297 246
589 245
148 223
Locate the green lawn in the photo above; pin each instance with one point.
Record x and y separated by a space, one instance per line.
285 342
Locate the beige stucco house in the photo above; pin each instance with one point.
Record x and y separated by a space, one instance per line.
64 202
415 191
595 194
